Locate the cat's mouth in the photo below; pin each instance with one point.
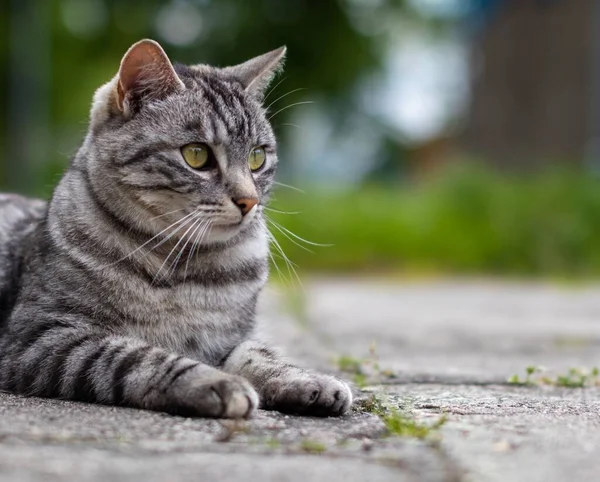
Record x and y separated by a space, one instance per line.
236 224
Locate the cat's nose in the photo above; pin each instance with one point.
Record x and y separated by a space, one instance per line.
245 204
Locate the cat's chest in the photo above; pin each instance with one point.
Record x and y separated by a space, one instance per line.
201 321
209 312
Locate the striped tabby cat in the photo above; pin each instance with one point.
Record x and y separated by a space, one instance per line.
137 283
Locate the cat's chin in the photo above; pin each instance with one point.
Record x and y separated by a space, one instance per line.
223 233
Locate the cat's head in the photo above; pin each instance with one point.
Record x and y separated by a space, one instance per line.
168 141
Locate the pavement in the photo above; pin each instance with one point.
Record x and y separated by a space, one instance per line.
431 349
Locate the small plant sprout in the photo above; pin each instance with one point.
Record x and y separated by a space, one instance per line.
273 443
313 446
349 364
403 426
398 423
574 378
364 370
528 380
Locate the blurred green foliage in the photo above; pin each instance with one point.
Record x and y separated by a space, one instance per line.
465 220
74 46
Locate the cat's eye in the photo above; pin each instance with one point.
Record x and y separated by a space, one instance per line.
257 158
196 155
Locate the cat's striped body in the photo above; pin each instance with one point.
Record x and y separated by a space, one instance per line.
137 285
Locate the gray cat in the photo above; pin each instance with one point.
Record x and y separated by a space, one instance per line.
137 283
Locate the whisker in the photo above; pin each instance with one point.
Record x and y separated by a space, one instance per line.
289 187
290 106
199 233
290 265
273 89
284 95
281 212
156 236
174 248
293 125
274 263
277 225
173 266
292 239
166 214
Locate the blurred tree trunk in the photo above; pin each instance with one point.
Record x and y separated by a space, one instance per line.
532 68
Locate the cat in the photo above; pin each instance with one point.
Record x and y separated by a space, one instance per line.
137 283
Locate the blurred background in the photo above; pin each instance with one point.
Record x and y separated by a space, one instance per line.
427 136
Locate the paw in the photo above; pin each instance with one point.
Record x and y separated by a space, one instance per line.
216 394
307 394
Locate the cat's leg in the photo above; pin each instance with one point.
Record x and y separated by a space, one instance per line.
75 364
286 387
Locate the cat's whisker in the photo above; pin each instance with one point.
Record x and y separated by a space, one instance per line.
299 238
273 89
203 235
166 214
292 239
198 234
156 236
283 96
290 265
292 125
174 248
294 188
274 263
278 255
290 106
167 238
281 212
197 224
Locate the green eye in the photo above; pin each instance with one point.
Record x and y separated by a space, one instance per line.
257 158
196 155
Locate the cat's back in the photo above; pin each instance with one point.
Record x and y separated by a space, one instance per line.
19 217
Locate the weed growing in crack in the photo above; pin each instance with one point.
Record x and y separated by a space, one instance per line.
313 446
364 370
398 423
574 378
272 443
529 372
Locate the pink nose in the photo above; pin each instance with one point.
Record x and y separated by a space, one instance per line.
246 204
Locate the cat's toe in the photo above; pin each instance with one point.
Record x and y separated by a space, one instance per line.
335 398
238 398
308 394
212 394
343 399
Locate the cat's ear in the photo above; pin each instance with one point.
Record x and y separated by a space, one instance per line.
256 74
146 73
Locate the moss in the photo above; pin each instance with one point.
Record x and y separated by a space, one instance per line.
313 446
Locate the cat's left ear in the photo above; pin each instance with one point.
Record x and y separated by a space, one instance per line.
256 74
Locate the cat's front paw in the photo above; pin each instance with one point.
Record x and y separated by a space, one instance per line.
214 395
307 394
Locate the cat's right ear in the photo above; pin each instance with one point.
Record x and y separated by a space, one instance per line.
146 74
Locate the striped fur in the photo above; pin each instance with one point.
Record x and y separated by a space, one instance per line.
137 283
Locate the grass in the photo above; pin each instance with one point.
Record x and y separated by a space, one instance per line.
363 370
313 446
398 423
466 220
574 378
273 443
